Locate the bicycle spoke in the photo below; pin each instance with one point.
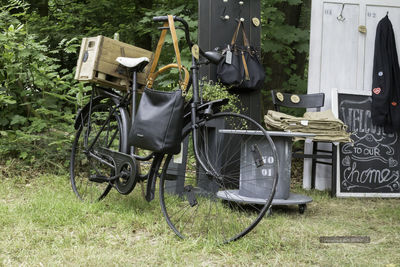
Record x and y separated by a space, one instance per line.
224 209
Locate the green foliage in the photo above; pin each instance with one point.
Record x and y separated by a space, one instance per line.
35 117
285 36
212 91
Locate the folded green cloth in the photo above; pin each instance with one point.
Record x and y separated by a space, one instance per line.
323 124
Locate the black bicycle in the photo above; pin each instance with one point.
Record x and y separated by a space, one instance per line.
230 177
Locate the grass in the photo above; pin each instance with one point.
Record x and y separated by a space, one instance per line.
43 224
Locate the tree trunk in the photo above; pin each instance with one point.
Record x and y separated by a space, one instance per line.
41 6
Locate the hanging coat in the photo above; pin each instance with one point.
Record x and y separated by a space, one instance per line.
386 79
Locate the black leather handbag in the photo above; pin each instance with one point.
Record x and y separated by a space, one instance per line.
159 119
240 66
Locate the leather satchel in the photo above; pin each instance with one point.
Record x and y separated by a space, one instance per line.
240 66
159 119
158 122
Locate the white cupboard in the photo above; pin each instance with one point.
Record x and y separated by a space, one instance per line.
342 45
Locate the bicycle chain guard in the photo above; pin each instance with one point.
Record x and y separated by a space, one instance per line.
125 166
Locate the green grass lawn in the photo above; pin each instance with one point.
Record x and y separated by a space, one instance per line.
43 224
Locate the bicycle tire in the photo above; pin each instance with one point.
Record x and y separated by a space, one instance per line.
227 203
82 165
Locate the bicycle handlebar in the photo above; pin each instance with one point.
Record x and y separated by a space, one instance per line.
185 25
161 18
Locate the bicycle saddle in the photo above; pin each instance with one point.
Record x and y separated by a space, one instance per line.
213 56
131 62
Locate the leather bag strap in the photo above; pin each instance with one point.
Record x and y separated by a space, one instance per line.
153 74
246 69
235 34
245 40
157 53
184 82
247 46
175 42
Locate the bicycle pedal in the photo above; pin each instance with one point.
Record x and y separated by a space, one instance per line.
190 195
98 179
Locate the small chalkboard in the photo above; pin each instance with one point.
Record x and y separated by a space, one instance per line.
370 166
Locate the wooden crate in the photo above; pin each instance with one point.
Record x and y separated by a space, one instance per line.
97 62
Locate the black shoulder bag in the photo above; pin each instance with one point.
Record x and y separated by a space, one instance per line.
159 119
240 66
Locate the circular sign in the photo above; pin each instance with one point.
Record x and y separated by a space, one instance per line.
256 22
295 99
280 96
196 51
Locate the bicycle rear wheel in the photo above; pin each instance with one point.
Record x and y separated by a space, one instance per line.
225 200
87 172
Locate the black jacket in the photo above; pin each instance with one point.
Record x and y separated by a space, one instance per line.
386 79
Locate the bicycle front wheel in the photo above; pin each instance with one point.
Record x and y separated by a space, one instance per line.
227 195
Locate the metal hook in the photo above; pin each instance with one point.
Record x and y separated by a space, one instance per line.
340 17
224 16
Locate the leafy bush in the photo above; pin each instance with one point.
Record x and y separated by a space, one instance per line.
212 91
37 98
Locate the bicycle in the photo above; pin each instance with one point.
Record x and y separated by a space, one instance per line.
224 193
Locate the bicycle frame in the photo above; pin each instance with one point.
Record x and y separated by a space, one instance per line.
195 87
221 181
122 105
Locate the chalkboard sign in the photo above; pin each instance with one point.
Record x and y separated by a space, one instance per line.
370 166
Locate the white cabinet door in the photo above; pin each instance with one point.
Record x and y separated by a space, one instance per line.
339 52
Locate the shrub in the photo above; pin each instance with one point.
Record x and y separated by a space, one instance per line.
37 98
